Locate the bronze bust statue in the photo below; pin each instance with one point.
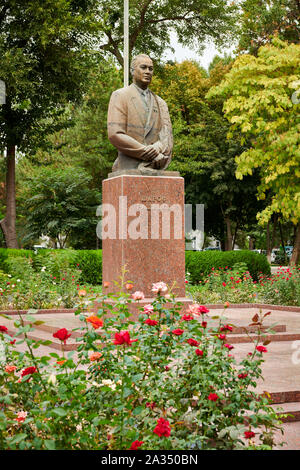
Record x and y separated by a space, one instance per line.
138 123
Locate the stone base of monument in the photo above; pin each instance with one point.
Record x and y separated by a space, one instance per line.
143 231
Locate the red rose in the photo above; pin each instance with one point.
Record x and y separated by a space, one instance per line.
28 371
249 434
193 342
212 397
242 376
178 332
222 337
226 327
199 352
228 346
3 329
187 317
62 335
135 445
123 338
162 428
223 284
261 349
204 324
151 405
202 309
151 322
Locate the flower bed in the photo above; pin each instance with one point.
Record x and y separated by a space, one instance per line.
167 381
236 285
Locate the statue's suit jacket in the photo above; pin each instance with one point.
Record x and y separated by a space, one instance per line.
130 129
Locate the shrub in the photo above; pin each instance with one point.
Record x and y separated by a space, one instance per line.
283 288
6 253
167 381
200 263
90 264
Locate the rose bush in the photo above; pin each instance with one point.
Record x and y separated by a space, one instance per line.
28 288
236 285
169 383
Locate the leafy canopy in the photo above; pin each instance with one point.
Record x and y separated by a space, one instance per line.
260 19
44 55
152 21
59 203
261 103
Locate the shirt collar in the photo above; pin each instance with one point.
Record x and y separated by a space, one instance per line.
140 90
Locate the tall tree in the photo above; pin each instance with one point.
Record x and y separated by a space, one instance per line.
43 59
83 141
60 204
261 103
151 22
262 19
203 154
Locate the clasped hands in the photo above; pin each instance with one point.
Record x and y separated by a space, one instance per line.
153 153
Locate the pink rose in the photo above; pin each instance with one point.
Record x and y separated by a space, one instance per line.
138 295
159 288
148 309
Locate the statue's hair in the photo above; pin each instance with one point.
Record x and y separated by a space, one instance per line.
134 60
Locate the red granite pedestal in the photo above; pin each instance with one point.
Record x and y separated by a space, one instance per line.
143 231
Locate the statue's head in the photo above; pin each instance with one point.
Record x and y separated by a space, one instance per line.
141 69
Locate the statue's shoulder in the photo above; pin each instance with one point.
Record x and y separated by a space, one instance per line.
122 92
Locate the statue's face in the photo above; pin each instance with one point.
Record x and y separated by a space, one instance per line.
143 72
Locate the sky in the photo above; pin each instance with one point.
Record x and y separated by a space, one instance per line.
185 53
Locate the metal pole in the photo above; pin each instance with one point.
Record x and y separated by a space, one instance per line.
126 43
2 92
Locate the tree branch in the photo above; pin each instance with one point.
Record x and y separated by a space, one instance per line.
112 46
140 26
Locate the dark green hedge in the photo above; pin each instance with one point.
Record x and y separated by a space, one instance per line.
90 263
6 253
198 263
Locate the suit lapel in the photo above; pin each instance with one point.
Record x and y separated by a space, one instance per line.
137 102
153 114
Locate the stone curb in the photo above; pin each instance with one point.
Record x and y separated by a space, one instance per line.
288 308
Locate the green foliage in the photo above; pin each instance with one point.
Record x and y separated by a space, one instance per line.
236 285
258 92
43 281
59 203
284 288
200 263
44 56
82 142
152 22
6 253
202 153
90 265
260 20
127 377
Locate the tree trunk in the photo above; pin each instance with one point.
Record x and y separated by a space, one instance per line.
296 250
228 243
8 224
283 244
269 247
234 236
